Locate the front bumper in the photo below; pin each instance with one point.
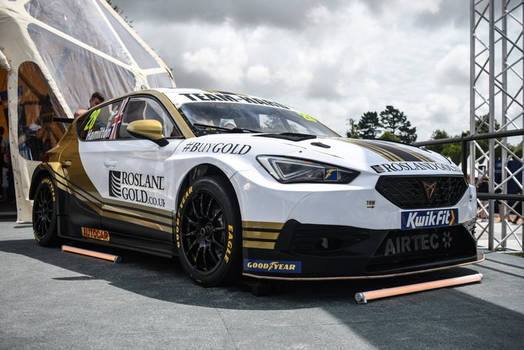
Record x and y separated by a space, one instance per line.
305 251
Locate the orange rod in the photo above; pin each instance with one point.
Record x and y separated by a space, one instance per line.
113 258
363 297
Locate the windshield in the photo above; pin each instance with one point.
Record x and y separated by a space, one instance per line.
251 117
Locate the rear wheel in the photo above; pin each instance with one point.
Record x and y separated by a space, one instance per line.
44 213
208 232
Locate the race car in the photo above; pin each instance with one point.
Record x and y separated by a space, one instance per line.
236 185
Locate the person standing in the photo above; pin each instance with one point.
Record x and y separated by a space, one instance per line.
96 99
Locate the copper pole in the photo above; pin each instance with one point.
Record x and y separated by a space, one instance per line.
363 297
109 257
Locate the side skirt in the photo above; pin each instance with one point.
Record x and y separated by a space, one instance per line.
74 215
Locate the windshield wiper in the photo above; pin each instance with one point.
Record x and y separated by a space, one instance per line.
297 134
233 130
290 136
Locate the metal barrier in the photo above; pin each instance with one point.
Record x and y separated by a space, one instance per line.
503 199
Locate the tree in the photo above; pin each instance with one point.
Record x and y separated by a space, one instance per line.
353 129
369 125
397 123
391 124
389 136
438 135
453 151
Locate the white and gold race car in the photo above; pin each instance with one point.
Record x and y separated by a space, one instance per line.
234 184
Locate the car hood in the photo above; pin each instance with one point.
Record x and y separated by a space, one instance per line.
374 156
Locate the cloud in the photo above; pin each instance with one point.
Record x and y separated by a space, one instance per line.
258 74
333 60
453 68
286 14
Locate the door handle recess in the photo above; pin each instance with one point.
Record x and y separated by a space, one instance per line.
110 163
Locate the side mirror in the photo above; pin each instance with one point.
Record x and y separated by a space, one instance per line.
148 129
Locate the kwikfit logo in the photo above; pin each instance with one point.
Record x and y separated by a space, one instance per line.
428 218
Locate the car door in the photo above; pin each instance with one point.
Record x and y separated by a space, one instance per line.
84 205
134 178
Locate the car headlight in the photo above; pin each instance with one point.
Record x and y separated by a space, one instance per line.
292 170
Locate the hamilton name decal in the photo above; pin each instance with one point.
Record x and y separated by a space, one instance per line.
137 187
413 166
224 148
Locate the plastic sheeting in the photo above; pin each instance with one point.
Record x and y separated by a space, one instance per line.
82 70
75 47
79 69
140 55
159 80
37 106
81 20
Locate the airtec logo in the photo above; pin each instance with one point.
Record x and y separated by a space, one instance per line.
415 243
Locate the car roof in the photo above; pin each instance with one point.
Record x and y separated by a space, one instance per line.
180 96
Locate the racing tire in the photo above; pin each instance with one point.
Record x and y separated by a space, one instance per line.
45 207
208 232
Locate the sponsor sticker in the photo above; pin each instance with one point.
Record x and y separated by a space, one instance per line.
225 97
307 117
92 119
415 243
224 148
95 233
414 166
330 174
414 219
273 266
137 187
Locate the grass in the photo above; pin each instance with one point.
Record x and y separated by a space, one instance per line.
517 254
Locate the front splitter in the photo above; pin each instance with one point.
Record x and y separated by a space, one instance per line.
480 258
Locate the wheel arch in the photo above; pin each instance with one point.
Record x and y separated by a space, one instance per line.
40 172
199 171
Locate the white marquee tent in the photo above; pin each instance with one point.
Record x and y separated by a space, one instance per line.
53 55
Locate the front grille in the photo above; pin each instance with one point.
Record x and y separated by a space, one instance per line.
410 192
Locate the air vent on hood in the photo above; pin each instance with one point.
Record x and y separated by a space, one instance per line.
289 136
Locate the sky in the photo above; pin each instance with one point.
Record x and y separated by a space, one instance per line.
333 59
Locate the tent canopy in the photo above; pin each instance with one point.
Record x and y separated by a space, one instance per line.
53 55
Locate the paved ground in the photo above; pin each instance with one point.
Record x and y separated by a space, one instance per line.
55 300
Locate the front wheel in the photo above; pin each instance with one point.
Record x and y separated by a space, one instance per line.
208 232
45 208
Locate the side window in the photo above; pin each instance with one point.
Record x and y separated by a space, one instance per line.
140 108
99 123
